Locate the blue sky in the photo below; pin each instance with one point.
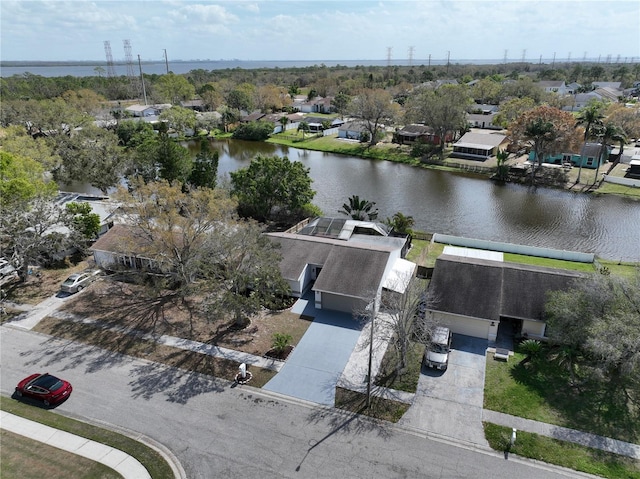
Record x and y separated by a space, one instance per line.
320 30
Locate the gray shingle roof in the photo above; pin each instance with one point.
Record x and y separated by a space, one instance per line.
490 289
351 268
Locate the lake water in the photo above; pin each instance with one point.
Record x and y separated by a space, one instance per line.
458 204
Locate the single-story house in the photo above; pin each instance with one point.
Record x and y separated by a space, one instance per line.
352 130
555 86
346 263
255 116
479 146
587 157
315 105
196 105
474 296
142 111
121 246
409 134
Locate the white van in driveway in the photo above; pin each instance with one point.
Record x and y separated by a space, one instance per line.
436 355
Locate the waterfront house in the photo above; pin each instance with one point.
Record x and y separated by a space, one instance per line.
345 263
591 155
479 146
474 296
410 134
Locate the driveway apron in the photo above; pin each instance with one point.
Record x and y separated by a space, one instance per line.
450 403
315 365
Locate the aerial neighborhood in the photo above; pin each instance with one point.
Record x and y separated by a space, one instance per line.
168 256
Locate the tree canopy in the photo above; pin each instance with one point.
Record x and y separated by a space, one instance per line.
272 187
598 319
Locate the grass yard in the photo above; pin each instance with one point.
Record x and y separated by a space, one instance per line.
149 458
542 391
549 263
24 457
566 454
356 402
406 380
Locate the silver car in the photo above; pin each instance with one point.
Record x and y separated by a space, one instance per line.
77 281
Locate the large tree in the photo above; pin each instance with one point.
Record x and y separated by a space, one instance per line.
444 109
201 249
272 187
375 108
160 156
179 119
205 166
598 319
91 155
173 89
546 131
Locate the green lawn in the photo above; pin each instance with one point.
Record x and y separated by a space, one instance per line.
549 263
24 457
541 391
149 458
565 454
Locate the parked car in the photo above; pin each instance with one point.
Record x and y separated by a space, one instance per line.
44 387
436 354
78 281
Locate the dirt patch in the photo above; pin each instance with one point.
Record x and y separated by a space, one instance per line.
120 304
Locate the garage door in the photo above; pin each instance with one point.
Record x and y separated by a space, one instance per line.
477 328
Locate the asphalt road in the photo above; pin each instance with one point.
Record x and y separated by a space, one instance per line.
216 430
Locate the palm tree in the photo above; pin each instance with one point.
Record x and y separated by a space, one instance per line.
359 209
283 121
532 349
540 132
304 126
401 224
590 116
606 134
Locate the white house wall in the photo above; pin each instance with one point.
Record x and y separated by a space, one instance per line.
478 328
532 328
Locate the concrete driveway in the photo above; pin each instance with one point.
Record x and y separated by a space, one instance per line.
315 365
449 403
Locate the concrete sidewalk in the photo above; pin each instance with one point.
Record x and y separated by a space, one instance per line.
563 434
121 462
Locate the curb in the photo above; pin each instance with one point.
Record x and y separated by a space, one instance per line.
165 452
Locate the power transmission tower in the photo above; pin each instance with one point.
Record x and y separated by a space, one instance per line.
133 79
389 56
166 60
524 55
410 56
111 71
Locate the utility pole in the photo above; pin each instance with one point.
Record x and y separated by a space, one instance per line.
166 60
144 91
448 56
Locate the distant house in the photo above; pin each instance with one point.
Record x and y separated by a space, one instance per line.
481 116
141 111
475 296
196 105
352 130
315 105
555 86
409 134
255 116
589 156
479 146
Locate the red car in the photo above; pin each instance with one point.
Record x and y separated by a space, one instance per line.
45 387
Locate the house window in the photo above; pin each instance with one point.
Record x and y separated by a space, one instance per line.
591 161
